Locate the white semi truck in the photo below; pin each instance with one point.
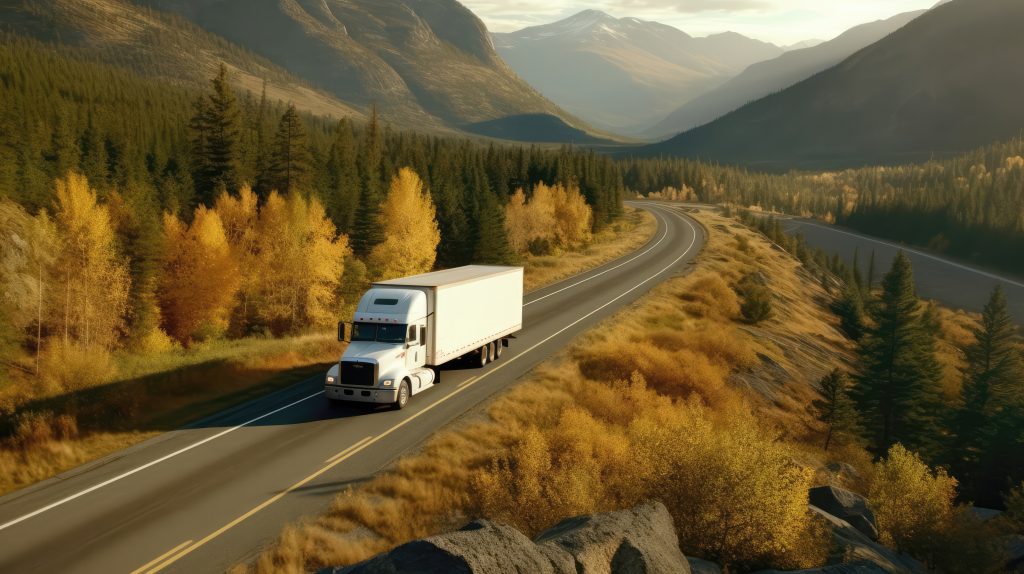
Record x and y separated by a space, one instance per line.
404 329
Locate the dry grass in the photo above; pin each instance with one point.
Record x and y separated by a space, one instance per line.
627 234
568 439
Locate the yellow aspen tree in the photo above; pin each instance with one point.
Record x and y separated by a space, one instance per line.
299 260
94 276
239 214
517 222
411 235
200 278
27 250
573 217
541 216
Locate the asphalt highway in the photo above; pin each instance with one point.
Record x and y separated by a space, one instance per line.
953 283
203 498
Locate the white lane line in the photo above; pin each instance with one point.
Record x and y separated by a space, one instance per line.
664 234
914 251
124 475
354 449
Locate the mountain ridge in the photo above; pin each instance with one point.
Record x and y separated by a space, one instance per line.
624 74
764 78
913 95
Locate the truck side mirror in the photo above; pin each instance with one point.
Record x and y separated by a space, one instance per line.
344 332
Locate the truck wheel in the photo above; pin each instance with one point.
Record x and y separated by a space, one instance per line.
497 349
484 355
403 396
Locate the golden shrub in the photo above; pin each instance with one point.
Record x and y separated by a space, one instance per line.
912 502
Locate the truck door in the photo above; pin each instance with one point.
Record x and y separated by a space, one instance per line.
415 354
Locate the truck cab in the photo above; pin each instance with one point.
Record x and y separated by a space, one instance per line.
386 356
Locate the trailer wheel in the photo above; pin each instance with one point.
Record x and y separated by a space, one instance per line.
483 356
403 396
497 349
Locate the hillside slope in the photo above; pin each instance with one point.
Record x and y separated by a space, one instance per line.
424 63
947 82
624 73
764 78
160 45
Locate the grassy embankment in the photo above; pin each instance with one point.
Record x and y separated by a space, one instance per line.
131 397
682 401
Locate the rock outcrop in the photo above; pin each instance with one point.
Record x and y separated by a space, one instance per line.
641 540
846 505
854 548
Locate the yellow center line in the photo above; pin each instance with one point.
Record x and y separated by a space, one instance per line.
371 441
467 382
162 556
347 450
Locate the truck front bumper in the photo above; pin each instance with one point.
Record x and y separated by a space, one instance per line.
361 394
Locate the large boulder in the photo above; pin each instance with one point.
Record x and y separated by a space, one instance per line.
637 541
851 546
698 566
846 505
480 547
641 540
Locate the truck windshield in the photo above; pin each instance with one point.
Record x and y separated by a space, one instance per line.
378 332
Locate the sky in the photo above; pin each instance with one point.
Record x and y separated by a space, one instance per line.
782 22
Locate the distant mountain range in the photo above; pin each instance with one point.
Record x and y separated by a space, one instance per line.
624 74
764 78
948 81
426 64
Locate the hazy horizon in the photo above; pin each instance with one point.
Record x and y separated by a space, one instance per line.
782 22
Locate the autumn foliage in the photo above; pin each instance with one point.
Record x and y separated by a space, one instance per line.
554 218
408 220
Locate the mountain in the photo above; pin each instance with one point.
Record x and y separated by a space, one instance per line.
623 74
946 82
425 64
162 46
772 76
804 44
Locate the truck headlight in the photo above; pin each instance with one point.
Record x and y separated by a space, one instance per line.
387 382
330 380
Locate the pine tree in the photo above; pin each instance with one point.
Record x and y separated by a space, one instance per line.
871 272
900 376
491 239
366 229
836 409
291 163
990 413
342 199
849 306
216 128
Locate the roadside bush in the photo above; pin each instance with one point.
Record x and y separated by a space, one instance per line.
913 504
710 296
74 367
755 298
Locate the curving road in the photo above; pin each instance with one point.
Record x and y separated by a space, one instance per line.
205 497
951 283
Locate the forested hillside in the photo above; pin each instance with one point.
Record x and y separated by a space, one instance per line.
968 207
137 215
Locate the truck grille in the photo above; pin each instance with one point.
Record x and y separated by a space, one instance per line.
354 373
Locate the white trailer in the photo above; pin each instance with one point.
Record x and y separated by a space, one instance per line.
404 329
